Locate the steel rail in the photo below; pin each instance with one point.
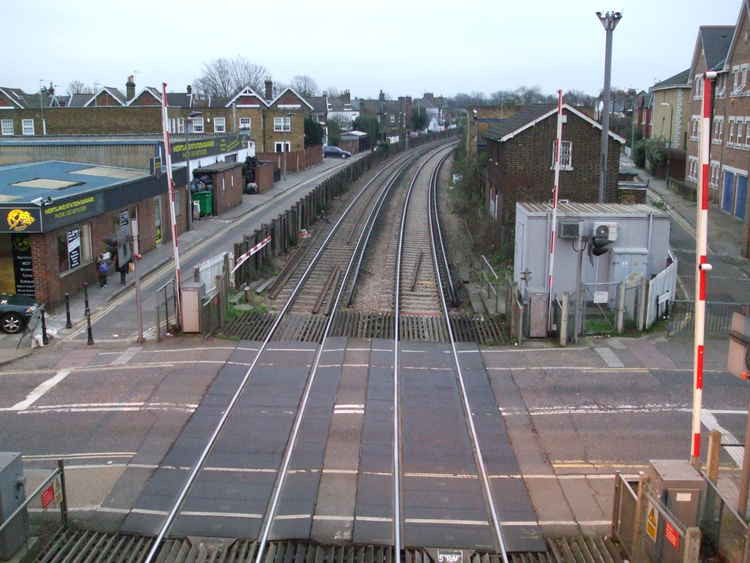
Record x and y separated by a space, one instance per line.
396 333
478 456
169 521
438 239
270 513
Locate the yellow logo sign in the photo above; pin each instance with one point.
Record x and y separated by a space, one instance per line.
19 220
652 522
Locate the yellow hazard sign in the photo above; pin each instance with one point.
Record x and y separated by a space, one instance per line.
652 522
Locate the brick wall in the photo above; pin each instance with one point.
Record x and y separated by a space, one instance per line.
228 189
521 168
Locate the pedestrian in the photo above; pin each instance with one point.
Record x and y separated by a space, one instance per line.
102 268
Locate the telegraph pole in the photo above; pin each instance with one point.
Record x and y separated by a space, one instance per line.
609 21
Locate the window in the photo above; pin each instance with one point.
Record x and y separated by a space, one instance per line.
245 124
718 135
180 125
692 171
27 126
566 155
735 79
744 77
282 124
732 125
694 121
715 173
740 131
7 126
220 124
197 125
747 131
73 247
281 146
721 84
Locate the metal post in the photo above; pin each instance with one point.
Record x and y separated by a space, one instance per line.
609 21
64 499
87 312
616 501
563 328
642 302
578 328
137 273
620 306
158 323
691 553
636 542
745 477
712 459
68 323
45 339
166 309
702 265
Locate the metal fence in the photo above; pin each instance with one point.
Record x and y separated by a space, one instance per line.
725 533
207 271
165 308
48 498
718 316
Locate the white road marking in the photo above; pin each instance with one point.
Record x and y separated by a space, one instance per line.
126 356
221 514
108 407
148 511
574 368
326 517
735 452
374 519
349 406
90 455
609 357
39 391
292 516
534 350
448 522
616 343
348 411
613 409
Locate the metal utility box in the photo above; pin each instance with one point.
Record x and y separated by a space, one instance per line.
637 240
678 487
12 495
192 303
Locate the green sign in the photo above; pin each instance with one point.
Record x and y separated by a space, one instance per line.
196 148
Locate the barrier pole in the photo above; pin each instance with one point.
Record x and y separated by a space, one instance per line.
555 193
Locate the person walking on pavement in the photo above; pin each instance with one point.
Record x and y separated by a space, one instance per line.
122 267
102 269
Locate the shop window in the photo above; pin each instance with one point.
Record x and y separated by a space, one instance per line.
73 247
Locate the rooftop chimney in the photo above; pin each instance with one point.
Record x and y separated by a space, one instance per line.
189 91
130 88
346 97
269 89
381 96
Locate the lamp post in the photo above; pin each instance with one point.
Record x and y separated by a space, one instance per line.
609 21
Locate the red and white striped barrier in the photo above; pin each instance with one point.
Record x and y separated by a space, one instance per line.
555 192
701 263
242 258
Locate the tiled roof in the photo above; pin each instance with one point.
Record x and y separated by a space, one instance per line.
78 100
716 40
679 79
500 129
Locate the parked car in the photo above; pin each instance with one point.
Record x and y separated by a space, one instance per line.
15 312
336 151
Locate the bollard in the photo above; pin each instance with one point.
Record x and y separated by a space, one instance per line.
68 323
86 294
89 334
64 499
45 340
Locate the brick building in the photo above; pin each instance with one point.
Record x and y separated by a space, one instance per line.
272 122
520 160
57 217
725 49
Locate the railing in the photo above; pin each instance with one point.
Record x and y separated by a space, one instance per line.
492 284
208 271
718 316
724 530
165 308
50 492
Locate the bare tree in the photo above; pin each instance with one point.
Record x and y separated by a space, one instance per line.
305 85
332 92
223 77
78 87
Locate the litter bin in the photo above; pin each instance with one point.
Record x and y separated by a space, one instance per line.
205 201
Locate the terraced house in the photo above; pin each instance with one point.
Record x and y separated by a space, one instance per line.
274 123
725 49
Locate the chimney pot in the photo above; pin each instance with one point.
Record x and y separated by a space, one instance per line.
130 88
189 89
269 89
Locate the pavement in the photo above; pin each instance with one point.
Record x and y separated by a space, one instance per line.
296 185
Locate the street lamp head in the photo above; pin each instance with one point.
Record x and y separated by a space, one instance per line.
609 19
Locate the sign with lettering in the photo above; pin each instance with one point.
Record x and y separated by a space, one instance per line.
74 248
72 210
196 148
672 535
450 556
23 265
21 220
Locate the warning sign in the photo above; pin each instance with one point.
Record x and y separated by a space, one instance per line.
48 496
652 522
672 535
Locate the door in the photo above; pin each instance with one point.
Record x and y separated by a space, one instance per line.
728 197
157 221
741 203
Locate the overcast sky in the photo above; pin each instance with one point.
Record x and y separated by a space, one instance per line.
405 47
